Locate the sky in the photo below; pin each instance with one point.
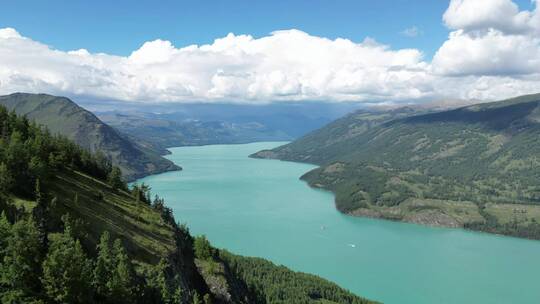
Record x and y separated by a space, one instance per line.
271 51
119 27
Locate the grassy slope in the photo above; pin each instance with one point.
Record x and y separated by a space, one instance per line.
450 168
62 116
147 239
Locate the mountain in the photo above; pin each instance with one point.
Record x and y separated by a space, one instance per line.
71 231
62 116
324 144
475 167
160 126
158 133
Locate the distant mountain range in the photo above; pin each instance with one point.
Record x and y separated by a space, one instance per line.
62 116
174 125
475 167
158 133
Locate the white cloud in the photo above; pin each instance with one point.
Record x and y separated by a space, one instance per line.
490 38
6 33
157 51
411 32
502 15
492 52
286 65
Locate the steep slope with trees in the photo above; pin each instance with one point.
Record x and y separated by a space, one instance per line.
62 116
475 167
71 231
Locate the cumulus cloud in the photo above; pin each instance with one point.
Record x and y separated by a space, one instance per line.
490 37
492 52
502 15
286 65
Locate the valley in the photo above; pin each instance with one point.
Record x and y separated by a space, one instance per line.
165 126
270 152
71 231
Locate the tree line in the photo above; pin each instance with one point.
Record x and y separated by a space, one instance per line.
62 272
29 152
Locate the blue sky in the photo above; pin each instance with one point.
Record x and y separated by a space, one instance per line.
138 50
119 26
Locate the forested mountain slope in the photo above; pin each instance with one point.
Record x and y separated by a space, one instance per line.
71 231
62 116
330 141
474 167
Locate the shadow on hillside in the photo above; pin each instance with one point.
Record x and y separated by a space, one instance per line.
495 118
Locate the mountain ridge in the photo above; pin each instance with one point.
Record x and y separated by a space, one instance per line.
63 116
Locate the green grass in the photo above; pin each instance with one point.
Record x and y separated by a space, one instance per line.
506 213
147 237
26 205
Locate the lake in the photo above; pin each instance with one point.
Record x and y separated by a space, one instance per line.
260 208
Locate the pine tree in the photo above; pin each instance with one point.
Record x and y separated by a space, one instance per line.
40 214
196 299
16 159
114 276
76 225
203 249
136 193
121 284
37 168
4 131
67 272
6 179
115 179
207 299
178 293
104 266
21 267
161 282
5 233
169 290
17 297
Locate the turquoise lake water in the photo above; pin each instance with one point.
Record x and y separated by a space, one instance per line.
260 208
